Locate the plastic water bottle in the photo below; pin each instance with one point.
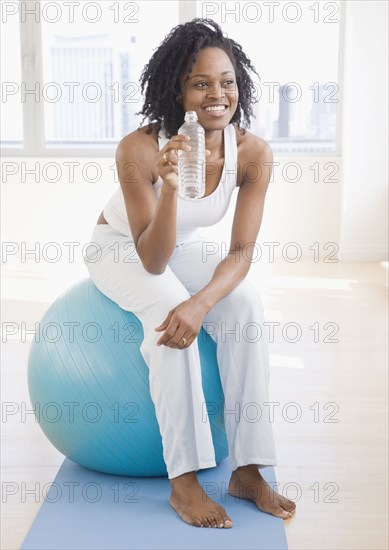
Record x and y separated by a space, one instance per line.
191 164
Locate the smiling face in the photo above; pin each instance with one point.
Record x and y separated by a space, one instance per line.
212 82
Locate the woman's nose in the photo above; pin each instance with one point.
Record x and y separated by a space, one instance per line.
216 90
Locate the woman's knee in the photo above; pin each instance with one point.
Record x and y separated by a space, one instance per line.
244 297
137 291
171 297
240 311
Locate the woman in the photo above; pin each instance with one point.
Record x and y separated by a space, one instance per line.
172 286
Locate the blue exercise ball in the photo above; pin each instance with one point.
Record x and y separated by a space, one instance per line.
89 385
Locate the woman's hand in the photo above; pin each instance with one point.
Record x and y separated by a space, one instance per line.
182 325
167 160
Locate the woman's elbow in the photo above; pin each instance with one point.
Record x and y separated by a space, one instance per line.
153 269
156 271
150 264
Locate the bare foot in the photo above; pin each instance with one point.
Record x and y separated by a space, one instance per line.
246 482
194 506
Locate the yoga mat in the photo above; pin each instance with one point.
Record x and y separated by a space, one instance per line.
84 509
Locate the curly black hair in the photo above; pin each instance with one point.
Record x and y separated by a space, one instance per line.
179 51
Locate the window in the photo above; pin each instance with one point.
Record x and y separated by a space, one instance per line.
80 84
294 47
77 90
93 66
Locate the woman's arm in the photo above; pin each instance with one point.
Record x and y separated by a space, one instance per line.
152 221
245 228
185 320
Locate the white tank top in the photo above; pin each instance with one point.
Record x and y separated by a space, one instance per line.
192 214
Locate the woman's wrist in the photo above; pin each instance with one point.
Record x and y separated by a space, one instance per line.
168 189
202 301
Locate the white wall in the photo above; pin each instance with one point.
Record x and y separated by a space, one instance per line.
297 209
333 200
38 213
364 232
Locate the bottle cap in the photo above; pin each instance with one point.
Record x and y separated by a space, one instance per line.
190 116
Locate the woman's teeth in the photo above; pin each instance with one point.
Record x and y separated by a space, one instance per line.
218 108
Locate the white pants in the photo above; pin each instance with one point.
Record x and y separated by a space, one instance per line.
174 374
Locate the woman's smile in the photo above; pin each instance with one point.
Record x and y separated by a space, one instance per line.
217 111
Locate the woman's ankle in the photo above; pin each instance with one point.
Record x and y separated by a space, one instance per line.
187 479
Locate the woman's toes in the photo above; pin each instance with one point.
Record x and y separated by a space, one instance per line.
289 505
220 521
210 520
206 522
203 522
278 512
197 522
228 523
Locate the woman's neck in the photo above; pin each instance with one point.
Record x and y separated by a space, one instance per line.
214 142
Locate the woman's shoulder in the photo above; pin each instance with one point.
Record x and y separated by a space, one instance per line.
146 136
251 149
139 146
249 145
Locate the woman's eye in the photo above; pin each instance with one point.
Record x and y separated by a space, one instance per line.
227 82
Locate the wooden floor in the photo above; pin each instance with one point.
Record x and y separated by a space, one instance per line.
330 423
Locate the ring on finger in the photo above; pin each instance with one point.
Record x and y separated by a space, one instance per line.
185 341
165 158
